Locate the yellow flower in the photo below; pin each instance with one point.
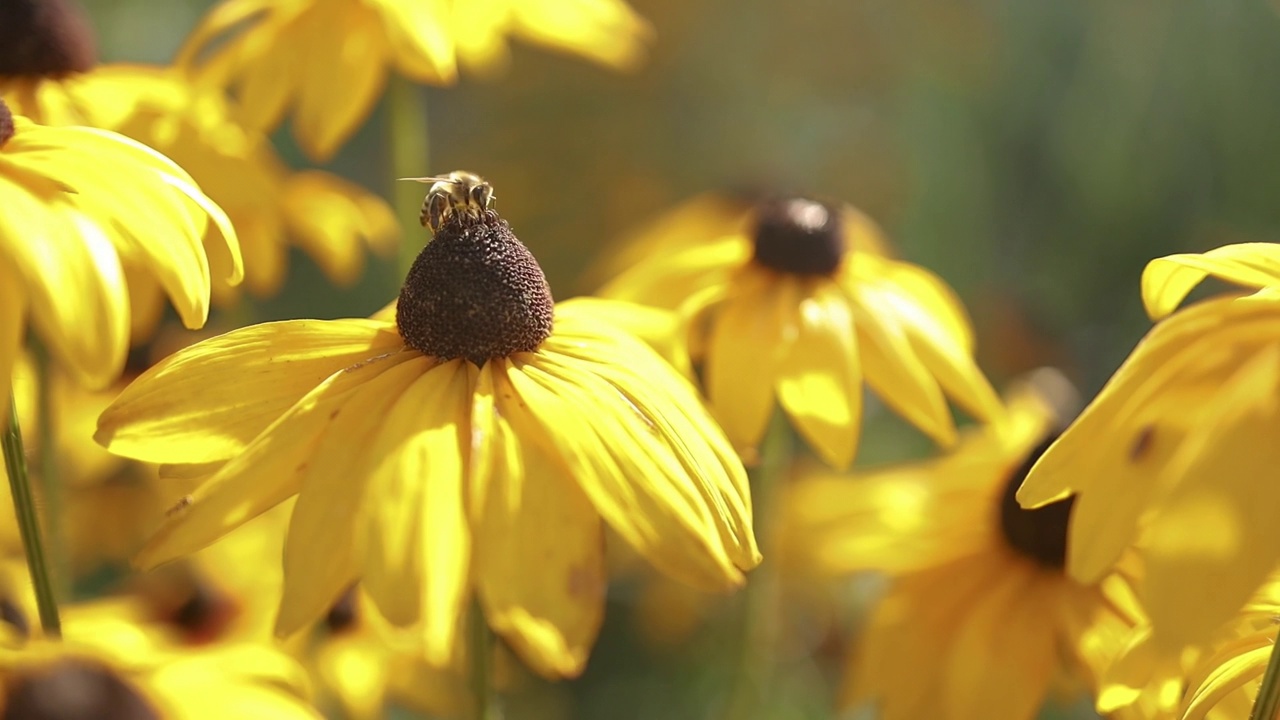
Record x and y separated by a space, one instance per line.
797 299
463 443
1174 452
81 205
328 59
112 663
330 218
978 618
1217 681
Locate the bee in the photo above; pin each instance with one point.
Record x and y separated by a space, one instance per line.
460 194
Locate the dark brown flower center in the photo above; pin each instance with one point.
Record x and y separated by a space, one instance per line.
475 292
344 614
6 124
1040 534
799 236
44 38
74 690
12 614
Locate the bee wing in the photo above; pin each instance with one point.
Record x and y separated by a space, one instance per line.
427 179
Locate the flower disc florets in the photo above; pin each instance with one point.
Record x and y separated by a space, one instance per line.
74 690
475 292
6 124
799 236
1039 534
44 38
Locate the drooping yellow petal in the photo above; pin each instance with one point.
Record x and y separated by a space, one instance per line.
1003 656
421 38
753 332
345 52
267 472
635 482
263 95
412 526
689 270
333 220
1124 438
892 369
1234 672
1211 543
820 380
208 401
539 550
662 330
73 279
320 561
1166 281
671 405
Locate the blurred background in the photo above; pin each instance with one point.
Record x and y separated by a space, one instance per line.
1034 154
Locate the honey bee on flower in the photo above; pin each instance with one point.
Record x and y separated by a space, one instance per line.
459 194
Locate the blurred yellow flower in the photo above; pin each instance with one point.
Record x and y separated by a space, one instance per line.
1216 681
1174 452
328 59
464 443
111 663
81 205
797 298
331 219
979 617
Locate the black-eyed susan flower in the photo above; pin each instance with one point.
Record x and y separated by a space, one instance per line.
978 617
79 206
52 78
1172 453
112 664
796 299
327 60
479 442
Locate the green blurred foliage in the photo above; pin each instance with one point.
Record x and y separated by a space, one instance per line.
1034 154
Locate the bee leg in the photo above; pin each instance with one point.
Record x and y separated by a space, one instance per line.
433 211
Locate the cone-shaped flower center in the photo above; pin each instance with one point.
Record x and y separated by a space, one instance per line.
74 690
1039 534
44 38
6 124
475 292
795 235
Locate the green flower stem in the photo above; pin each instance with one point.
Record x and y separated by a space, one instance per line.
407 119
485 703
762 601
48 470
24 505
1267 705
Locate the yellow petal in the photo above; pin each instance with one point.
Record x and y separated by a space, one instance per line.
1212 542
267 472
632 477
1233 673
820 380
671 405
412 525
355 667
319 555
662 330
1167 280
689 270
894 371
753 332
539 551
1003 655
73 279
263 94
207 402
12 328
421 39
345 75
334 220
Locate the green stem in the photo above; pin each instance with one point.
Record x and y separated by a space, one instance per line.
1267 705
48 473
24 505
762 601
485 703
407 129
